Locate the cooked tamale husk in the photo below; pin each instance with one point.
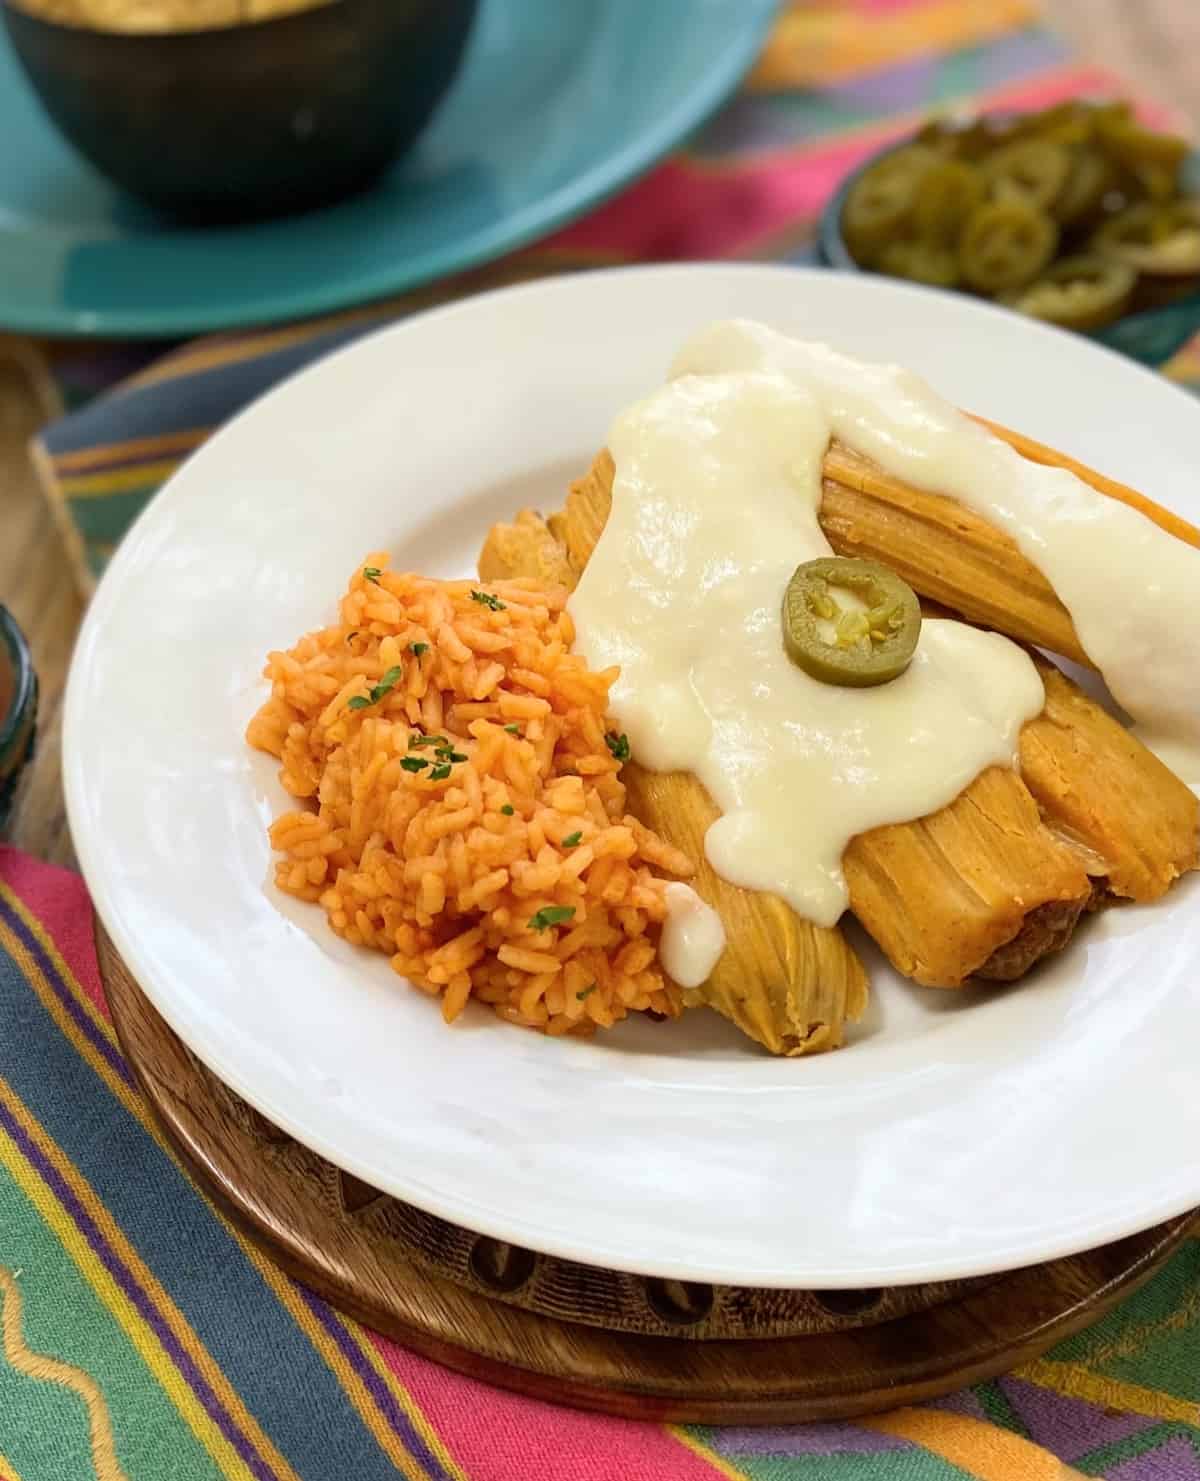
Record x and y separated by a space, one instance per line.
1096 784
943 895
1002 875
525 548
953 555
944 551
582 520
788 984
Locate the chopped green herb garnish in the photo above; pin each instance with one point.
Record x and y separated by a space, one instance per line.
419 648
513 729
486 599
385 686
415 742
372 574
456 756
572 839
550 915
583 992
618 745
440 773
413 763
508 809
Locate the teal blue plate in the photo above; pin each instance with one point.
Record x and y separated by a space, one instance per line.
559 104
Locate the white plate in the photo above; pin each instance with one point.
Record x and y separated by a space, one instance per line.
962 1133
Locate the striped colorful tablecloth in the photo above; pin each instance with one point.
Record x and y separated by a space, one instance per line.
143 1339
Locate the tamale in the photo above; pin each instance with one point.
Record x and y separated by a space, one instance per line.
1097 785
944 551
946 894
949 553
525 548
1000 877
786 983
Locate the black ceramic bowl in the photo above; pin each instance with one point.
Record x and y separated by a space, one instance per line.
251 120
18 709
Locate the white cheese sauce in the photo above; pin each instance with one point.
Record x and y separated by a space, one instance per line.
693 937
1132 589
715 499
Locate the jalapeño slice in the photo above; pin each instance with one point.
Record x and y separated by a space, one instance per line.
870 643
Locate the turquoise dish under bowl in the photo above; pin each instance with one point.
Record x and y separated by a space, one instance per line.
18 709
1150 336
558 104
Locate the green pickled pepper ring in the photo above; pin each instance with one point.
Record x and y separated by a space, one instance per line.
857 649
1006 244
1084 292
880 201
922 262
1154 239
1032 171
1092 177
945 196
1153 159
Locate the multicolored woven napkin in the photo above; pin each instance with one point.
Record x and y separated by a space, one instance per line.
142 1338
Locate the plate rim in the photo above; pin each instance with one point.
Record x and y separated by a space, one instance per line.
750 24
1072 1237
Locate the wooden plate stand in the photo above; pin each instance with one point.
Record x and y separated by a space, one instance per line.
599 1339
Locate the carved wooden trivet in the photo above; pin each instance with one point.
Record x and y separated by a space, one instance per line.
599 1338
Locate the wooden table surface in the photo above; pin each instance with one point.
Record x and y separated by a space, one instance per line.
1155 43
37 586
